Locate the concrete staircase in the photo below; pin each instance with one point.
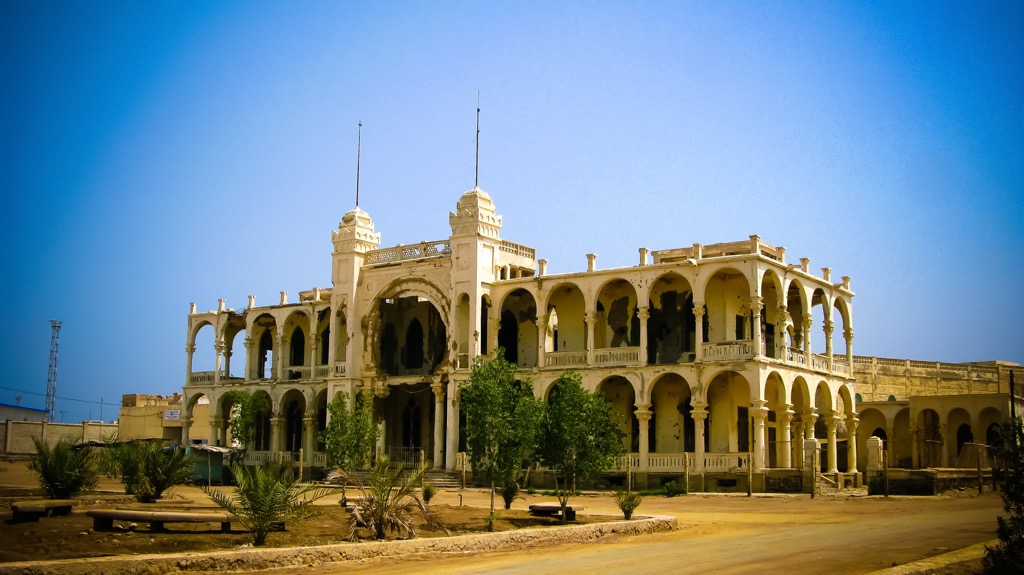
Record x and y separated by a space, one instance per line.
440 478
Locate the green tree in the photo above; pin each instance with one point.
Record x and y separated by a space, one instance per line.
146 469
350 436
1008 472
264 501
502 423
63 471
578 437
247 409
389 504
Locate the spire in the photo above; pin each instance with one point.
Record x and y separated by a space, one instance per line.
359 149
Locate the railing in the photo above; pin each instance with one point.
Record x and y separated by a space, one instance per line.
617 356
723 462
319 459
840 365
729 350
410 456
518 250
679 462
323 371
442 248
670 461
260 457
565 359
794 355
202 377
297 372
819 362
462 461
339 368
463 361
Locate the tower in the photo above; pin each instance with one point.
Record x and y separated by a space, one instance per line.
51 380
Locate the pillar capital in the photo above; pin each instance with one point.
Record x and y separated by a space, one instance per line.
698 309
643 313
848 333
756 305
190 348
438 389
643 415
829 328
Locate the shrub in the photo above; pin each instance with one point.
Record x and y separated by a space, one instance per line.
428 492
1008 555
673 488
63 471
509 492
389 504
628 501
264 500
146 469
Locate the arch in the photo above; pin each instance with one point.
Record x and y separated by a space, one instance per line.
958 422
517 328
821 312
727 299
619 393
567 300
929 439
773 318
671 324
871 422
321 417
293 409
797 308
778 427
204 339
671 427
842 321
264 334
296 352
616 323
900 450
989 418
728 396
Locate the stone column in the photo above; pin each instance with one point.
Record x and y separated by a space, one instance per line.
218 348
452 425
808 320
438 455
216 427
250 359
698 332
810 416
798 437
756 305
831 421
784 449
699 414
915 450
275 433
227 362
308 438
944 449
851 443
760 416
643 416
643 314
186 429
280 342
190 349
829 329
848 332
542 339
890 457
314 357
782 335
589 320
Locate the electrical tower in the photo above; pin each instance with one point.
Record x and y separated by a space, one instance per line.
51 381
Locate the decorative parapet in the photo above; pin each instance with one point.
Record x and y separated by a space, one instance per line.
617 356
565 359
518 249
413 252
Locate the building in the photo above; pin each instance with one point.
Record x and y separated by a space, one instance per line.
720 360
10 412
145 416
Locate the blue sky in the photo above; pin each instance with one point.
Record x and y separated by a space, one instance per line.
158 153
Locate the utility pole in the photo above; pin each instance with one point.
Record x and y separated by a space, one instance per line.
51 380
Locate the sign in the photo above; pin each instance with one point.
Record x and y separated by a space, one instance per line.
172 414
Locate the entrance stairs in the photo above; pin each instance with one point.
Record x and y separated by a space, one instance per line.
439 477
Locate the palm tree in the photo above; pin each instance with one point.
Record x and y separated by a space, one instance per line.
63 470
389 504
263 501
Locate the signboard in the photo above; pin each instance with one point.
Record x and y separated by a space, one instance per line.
172 414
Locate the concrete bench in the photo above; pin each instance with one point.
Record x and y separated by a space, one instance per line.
103 519
555 510
25 511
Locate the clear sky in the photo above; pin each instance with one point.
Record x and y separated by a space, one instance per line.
158 153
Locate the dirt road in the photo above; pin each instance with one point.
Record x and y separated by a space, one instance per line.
735 534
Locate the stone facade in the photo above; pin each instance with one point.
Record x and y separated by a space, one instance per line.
717 358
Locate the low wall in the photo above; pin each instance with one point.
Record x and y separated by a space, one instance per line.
927 481
252 559
16 437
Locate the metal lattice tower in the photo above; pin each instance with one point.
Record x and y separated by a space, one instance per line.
51 381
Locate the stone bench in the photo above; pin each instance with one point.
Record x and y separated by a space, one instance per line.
555 510
25 511
103 519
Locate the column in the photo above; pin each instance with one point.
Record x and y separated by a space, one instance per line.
810 416
808 320
892 459
848 333
784 449
542 339
699 414
308 437
219 349
829 329
782 335
851 443
438 455
589 319
227 362
275 433
451 446
915 449
760 415
189 350
944 450
698 331
643 314
215 430
643 416
250 359
186 429
797 446
277 369
314 357
756 305
831 422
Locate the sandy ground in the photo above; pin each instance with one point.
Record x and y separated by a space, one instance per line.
718 533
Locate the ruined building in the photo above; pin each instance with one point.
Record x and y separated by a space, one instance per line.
720 360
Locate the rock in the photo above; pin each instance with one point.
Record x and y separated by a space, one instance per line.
133 526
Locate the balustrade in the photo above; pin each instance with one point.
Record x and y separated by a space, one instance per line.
339 368
202 377
565 359
729 350
617 356
442 248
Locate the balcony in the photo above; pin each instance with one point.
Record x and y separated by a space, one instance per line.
681 462
565 359
729 350
617 356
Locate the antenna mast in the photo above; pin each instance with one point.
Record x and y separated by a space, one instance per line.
359 149
476 176
51 380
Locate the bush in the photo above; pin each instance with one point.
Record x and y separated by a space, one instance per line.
509 493
388 504
628 501
63 471
673 488
265 500
1008 473
428 492
146 469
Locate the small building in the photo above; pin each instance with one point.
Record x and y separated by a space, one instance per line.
146 416
21 413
